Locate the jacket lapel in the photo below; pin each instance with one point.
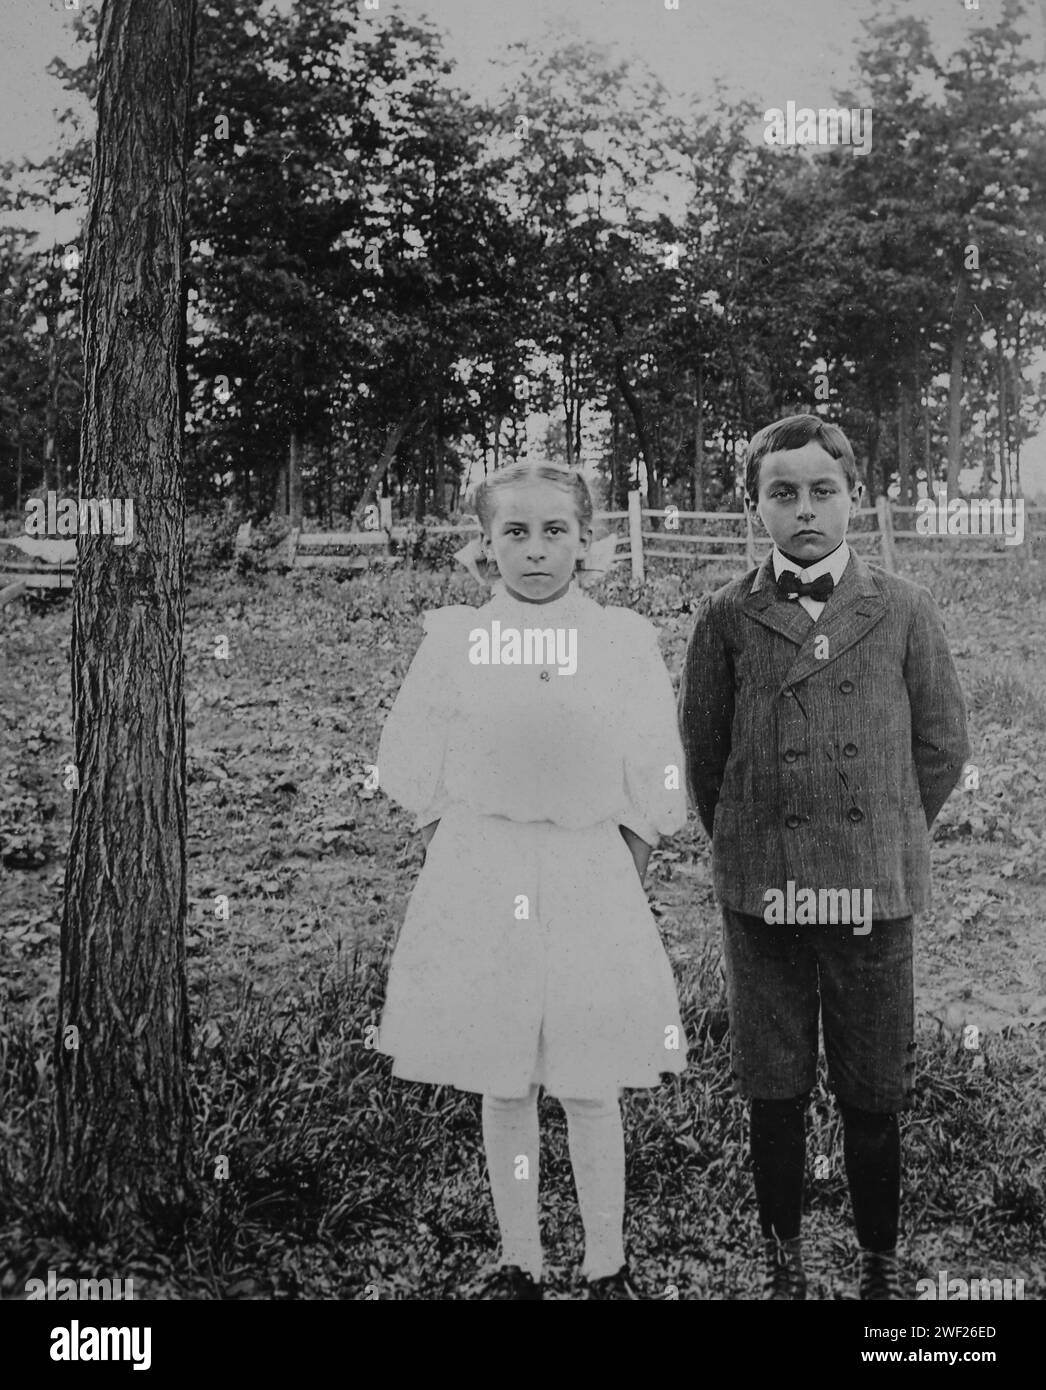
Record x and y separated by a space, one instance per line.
789 619
853 608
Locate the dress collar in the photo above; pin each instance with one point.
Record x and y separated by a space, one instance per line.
525 614
834 564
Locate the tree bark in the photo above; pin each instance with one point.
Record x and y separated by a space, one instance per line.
294 497
52 466
121 1135
1016 408
698 490
294 451
379 470
904 444
955 384
872 481
646 446
1004 449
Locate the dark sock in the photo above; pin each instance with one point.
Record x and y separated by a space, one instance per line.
872 1152
778 1139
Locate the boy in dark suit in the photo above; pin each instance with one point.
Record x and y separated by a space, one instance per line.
824 729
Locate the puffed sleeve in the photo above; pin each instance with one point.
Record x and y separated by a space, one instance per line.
414 739
654 765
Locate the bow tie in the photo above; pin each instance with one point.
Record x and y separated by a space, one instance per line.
789 586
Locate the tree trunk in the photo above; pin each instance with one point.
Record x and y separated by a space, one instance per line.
438 462
698 489
568 421
294 500
52 471
121 1135
955 384
294 452
635 407
904 445
1016 408
1004 448
379 470
874 438
615 444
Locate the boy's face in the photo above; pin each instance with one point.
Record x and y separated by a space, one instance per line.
805 501
536 541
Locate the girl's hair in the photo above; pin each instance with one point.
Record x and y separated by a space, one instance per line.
484 499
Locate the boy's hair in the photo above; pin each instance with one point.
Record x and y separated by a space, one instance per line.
793 433
484 499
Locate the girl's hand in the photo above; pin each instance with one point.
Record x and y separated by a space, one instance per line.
641 851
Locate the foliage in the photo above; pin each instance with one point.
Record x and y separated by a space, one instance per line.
378 260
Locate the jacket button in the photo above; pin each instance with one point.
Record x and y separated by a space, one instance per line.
793 821
850 751
855 814
790 755
847 687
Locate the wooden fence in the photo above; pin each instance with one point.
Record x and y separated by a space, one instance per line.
740 545
724 537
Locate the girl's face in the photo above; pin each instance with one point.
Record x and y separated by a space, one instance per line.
536 540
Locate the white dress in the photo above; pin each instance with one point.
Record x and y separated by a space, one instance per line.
529 952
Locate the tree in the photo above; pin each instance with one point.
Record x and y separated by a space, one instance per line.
121 1128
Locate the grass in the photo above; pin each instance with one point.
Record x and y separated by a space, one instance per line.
343 1183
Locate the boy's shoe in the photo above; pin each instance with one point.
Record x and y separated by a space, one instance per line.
785 1278
880 1277
509 1283
617 1286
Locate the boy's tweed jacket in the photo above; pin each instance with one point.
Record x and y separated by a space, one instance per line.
828 771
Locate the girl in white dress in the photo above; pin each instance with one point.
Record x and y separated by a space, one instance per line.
535 740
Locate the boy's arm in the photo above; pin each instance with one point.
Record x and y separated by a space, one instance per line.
706 712
940 745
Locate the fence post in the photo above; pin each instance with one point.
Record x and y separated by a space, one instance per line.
749 539
635 533
882 506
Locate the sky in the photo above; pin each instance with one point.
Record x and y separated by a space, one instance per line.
769 51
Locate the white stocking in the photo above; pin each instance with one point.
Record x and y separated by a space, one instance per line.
597 1153
510 1138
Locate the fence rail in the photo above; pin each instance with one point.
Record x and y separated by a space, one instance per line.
637 545
38 564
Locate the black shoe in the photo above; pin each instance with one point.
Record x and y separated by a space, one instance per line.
785 1278
615 1286
509 1283
880 1277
